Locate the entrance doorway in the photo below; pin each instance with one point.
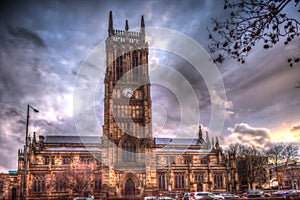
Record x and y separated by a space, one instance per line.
199 187
14 193
129 187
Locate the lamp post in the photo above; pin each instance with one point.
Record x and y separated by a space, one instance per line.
169 166
25 151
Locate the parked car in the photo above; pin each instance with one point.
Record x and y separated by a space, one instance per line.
205 196
279 193
227 195
150 198
82 198
165 198
186 196
253 193
293 195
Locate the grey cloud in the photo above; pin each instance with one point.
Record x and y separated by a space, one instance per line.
245 129
245 134
27 34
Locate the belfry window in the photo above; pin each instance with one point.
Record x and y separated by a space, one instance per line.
129 151
134 64
119 67
134 59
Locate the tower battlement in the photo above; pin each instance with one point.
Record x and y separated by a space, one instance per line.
126 36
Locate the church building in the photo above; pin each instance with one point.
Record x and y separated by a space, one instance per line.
126 161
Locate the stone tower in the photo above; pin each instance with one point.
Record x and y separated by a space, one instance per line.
128 145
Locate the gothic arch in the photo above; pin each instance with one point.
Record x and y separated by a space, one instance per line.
130 184
129 189
128 146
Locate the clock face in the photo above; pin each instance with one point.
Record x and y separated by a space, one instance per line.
127 92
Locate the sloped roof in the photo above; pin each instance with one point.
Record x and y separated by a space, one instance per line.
67 139
73 149
178 141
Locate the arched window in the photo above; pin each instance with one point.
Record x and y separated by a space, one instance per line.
119 68
134 64
39 184
134 59
119 64
218 180
129 151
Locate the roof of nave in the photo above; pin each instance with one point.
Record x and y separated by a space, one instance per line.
78 149
67 139
178 141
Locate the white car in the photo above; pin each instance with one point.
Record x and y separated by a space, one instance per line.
83 198
206 195
164 198
150 198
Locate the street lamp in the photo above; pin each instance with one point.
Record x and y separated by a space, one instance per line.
169 166
25 150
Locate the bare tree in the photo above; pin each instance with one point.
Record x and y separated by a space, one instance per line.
250 22
251 164
281 155
77 179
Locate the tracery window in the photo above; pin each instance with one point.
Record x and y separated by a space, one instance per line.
179 180
60 186
119 67
134 59
85 160
135 64
52 161
39 184
162 181
204 160
218 180
46 160
129 151
199 177
188 160
66 160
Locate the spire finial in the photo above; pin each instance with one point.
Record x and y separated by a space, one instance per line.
207 141
110 25
217 143
142 22
126 25
207 137
200 135
142 29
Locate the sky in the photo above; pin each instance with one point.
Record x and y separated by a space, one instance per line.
46 45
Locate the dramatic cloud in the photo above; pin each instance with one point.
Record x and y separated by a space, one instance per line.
245 134
29 35
295 128
43 45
